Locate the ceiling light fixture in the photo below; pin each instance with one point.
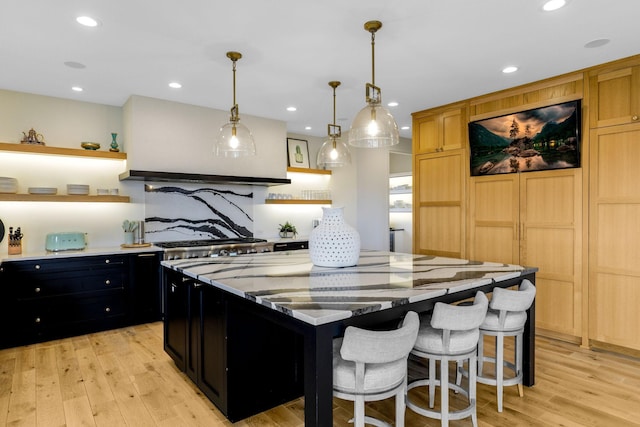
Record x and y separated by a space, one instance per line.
334 153
175 85
234 139
87 21
553 5
77 89
373 126
510 69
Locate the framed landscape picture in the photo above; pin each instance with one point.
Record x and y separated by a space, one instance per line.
531 140
298 150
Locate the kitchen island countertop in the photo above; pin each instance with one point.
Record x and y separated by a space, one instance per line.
289 283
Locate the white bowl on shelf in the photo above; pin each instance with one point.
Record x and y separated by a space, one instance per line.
77 189
43 190
8 185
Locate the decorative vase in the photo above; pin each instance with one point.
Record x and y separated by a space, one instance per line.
114 143
334 243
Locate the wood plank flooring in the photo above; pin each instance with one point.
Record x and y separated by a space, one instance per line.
124 378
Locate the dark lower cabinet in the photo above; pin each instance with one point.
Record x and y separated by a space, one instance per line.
47 299
241 361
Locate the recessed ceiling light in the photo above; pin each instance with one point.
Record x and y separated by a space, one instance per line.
510 69
308 128
596 43
392 104
77 89
87 21
292 109
175 85
76 65
553 5
405 127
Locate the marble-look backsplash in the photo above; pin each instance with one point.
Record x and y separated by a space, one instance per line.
196 211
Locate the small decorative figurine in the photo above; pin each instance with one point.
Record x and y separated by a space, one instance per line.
114 143
32 137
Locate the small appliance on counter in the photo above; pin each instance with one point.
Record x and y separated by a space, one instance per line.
67 241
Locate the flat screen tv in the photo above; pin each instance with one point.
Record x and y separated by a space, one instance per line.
532 140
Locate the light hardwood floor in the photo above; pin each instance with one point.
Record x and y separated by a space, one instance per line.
124 378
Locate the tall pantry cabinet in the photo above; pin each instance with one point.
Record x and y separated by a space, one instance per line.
439 181
614 208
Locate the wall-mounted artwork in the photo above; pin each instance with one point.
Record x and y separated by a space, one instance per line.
298 151
532 140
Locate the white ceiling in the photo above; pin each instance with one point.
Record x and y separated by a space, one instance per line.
428 53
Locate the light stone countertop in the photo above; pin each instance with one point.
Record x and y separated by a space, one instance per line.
288 282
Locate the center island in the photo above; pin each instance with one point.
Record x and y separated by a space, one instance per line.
255 331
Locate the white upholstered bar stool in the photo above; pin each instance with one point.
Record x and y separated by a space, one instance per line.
372 365
506 317
449 334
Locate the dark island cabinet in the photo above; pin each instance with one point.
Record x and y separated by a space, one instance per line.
47 299
223 344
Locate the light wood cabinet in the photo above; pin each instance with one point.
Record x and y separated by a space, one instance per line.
439 130
615 96
534 219
439 203
614 273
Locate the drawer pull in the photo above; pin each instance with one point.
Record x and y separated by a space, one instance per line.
37 267
37 320
37 290
634 118
107 282
108 309
106 261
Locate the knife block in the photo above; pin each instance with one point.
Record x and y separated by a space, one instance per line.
15 248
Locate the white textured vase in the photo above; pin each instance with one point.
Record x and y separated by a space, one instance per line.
334 243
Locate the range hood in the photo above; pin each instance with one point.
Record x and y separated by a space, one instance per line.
137 175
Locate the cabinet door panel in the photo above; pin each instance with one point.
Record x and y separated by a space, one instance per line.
494 219
618 242
452 129
427 135
556 305
615 162
439 204
615 97
614 302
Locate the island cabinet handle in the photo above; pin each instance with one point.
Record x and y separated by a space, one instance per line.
173 288
37 267
106 261
37 320
634 118
107 282
37 290
197 285
107 309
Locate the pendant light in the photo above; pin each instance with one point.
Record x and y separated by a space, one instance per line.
373 126
334 153
234 139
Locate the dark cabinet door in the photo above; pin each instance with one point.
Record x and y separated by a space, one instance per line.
146 287
176 317
212 375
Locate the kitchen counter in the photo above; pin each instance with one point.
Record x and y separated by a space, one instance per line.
42 254
289 283
317 303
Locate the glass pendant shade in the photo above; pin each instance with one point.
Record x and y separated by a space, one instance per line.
235 140
333 154
374 127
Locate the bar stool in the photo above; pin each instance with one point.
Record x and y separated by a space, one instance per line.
372 365
450 334
506 318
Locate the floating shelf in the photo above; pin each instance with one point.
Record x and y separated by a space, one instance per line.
60 151
61 198
306 170
296 202
137 175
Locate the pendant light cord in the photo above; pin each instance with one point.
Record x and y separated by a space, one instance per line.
373 58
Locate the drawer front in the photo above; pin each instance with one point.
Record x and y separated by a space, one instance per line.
54 278
55 313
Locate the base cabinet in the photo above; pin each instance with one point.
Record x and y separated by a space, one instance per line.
47 299
241 361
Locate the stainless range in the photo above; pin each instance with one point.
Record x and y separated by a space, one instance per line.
225 247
